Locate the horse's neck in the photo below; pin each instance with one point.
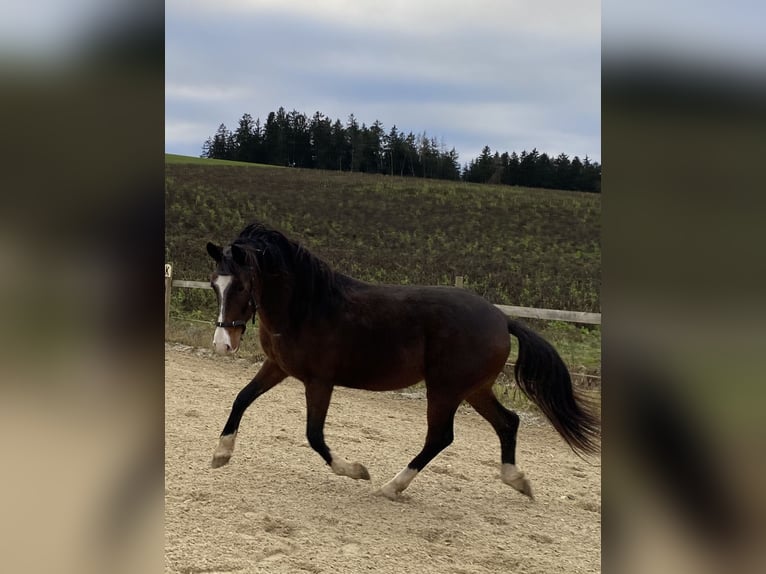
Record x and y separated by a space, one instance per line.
275 306
278 306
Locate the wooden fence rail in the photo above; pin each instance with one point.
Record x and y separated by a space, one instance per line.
192 284
511 310
551 314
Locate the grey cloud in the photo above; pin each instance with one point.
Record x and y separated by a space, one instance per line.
470 88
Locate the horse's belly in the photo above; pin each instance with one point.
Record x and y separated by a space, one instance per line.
380 383
391 374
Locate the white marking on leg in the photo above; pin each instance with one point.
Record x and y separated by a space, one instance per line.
512 476
509 472
350 469
397 484
224 450
221 339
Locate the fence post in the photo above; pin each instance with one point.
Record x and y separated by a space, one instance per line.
459 281
168 287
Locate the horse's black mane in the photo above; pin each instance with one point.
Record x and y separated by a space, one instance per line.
316 288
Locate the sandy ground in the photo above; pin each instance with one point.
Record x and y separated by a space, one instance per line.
276 507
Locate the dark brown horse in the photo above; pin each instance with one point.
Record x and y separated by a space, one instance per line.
327 329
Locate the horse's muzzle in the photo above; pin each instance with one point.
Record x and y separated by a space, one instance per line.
223 349
223 343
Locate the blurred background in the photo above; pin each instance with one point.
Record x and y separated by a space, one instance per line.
684 273
81 244
684 126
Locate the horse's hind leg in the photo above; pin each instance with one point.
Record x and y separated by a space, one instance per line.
317 402
441 416
506 424
268 376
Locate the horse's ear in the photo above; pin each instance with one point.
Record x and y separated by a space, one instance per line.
239 255
215 252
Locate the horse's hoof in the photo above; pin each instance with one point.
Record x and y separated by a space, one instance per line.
360 472
220 460
224 450
389 493
523 486
516 479
353 470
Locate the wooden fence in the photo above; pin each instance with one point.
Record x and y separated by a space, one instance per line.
511 310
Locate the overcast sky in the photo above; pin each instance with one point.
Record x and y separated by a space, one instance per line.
511 74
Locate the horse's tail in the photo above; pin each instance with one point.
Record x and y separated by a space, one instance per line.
543 377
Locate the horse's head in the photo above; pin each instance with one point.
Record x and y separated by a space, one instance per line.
232 282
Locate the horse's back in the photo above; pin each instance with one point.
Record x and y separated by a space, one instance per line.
451 332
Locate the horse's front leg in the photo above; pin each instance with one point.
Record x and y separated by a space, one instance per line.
267 377
317 402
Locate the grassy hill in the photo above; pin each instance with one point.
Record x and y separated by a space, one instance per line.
518 246
172 158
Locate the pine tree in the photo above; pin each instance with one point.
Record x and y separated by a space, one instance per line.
545 171
561 177
221 143
373 148
298 140
393 148
355 143
339 146
244 140
207 148
321 141
575 174
293 139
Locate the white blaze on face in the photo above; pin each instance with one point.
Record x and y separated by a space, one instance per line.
221 340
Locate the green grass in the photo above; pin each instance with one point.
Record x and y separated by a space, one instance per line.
579 346
515 246
172 158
